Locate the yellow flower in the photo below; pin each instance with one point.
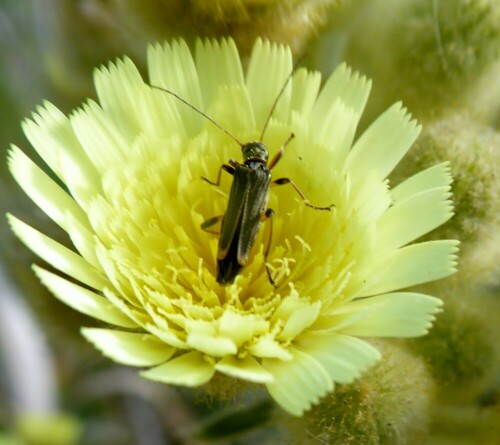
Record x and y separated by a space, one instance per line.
133 202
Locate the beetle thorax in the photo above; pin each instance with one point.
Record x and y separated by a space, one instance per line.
255 151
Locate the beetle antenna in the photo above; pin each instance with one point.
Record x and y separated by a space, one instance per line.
275 103
198 111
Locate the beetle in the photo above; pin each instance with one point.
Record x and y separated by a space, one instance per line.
247 208
247 205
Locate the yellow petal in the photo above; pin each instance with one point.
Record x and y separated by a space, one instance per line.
350 88
129 348
335 130
344 357
219 65
241 328
172 66
299 383
436 176
305 91
95 130
267 347
46 194
399 314
411 265
300 320
52 136
83 239
190 369
57 255
240 124
247 369
268 68
337 111
84 300
215 346
382 145
409 219
118 87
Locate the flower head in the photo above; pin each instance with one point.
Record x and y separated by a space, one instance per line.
134 201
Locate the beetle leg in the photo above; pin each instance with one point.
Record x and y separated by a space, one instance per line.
268 215
283 181
279 155
225 167
211 222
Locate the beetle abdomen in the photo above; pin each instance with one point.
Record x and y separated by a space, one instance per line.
228 267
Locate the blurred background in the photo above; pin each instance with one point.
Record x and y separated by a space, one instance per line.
440 57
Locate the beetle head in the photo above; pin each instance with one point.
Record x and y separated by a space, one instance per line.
254 151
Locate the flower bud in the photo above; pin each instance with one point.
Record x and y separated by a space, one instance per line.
428 53
389 405
473 151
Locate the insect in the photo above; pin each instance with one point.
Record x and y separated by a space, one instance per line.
247 205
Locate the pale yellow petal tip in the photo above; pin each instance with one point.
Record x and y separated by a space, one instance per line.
153 49
245 369
129 348
190 369
210 44
16 225
42 119
430 323
446 170
265 48
39 272
454 257
14 160
104 341
106 71
212 345
89 334
173 47
434 311
354 76
407 118
439 305
436 306
121 74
